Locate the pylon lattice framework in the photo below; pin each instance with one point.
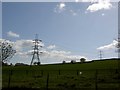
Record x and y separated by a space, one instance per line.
101 54
118 46
36 53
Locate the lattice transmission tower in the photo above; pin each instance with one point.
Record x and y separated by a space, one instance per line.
36 53
118 44
100 55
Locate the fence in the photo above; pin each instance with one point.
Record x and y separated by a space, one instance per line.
70 79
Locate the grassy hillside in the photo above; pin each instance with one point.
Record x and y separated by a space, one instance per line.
96 64
95 74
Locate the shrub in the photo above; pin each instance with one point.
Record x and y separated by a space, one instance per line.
64 62
73 61
82 60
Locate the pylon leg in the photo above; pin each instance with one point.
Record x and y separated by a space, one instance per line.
32 60
38 59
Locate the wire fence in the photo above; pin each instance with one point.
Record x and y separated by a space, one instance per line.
75 79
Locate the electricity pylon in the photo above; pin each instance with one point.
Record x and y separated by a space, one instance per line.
101 55
118 45
36 53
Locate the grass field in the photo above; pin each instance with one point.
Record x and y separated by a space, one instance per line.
91 75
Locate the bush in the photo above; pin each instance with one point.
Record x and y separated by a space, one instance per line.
82 60
64 62
73 61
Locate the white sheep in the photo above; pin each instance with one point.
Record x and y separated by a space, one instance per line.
80 73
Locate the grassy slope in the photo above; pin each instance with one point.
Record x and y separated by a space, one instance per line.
105 64
68 73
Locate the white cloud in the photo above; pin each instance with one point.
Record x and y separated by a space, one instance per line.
96 5
20 45
62 55
101 4
7 41
103 14
86 1
73 12
22 54
76 0
12 34
75 57
55 53
24 50
60 7
51 47
109 46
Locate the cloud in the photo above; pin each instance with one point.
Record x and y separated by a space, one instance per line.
59 53
51 47
95 5
73 12
7 41
103 14
63 7
22 54
75 57
109 46
54 53
60 7
21 45
24 50
86 1
76 0
62 55
12 34
101 4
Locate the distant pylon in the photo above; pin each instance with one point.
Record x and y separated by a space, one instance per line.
100 54
118 44
36 53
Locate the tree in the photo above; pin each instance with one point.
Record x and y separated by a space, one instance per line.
64 62
82 60
73 61
37 63
6 51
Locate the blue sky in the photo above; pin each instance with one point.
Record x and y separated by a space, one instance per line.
69 27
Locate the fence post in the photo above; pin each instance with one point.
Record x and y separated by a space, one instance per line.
42 73
26 72
96 76
77 72
47 81
59 71
10 74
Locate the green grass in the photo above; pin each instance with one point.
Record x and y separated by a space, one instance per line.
64 75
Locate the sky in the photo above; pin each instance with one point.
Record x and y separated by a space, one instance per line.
68 30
